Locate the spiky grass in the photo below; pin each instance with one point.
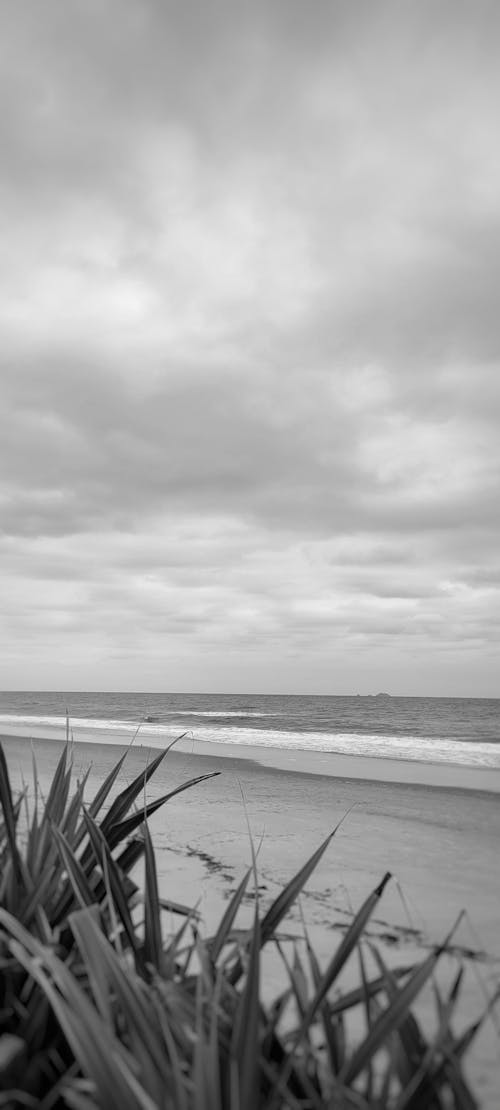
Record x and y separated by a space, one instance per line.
101 1007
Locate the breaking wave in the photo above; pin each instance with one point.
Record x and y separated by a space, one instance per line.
422 749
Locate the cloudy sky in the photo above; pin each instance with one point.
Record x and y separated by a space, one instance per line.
249 346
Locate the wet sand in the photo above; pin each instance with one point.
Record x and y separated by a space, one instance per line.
440 843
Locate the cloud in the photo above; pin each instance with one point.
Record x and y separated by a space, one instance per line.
250 344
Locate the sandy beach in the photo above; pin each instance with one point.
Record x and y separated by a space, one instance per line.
439 842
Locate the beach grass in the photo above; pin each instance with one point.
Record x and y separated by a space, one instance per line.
112 997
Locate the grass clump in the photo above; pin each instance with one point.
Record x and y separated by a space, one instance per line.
102 1007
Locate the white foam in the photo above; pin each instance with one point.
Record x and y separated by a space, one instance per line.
220 714
422 749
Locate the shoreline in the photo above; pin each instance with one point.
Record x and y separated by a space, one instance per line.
297 805
371 769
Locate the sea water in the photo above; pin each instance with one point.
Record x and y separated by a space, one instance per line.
455 731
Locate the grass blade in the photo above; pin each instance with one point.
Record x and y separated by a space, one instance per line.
77 877
227 920
285 899
105 860
344 950
390 1020
9 813
153 948
123 802
245 1044
117 832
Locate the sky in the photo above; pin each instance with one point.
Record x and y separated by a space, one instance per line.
249 346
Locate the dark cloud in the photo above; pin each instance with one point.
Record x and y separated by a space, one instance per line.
82 449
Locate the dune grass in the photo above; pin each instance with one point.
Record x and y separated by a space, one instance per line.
103 1003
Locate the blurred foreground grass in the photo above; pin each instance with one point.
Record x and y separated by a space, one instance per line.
102 1005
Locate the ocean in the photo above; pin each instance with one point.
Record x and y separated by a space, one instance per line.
459 731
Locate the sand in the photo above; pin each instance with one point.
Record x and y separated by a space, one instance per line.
440 843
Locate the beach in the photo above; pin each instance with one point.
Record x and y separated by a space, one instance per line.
439 842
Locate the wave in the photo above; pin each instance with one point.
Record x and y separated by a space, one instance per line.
421 749
219 715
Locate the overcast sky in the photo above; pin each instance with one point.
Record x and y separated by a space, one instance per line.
249 345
